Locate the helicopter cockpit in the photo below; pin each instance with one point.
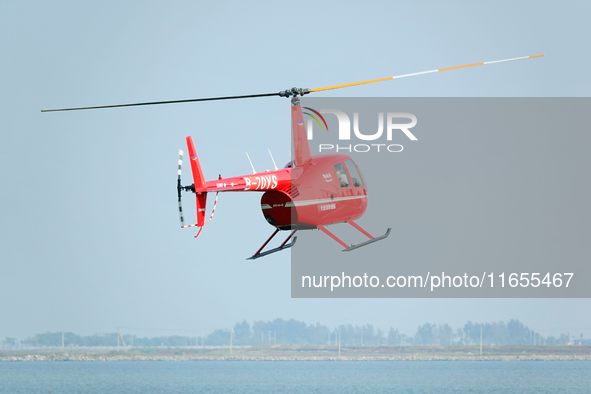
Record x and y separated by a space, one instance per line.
343 177
356 178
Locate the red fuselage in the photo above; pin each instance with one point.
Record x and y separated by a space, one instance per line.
327 189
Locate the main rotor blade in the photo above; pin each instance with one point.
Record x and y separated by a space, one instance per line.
163 102
289 92
420 73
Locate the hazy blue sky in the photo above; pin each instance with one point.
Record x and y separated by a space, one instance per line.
89 238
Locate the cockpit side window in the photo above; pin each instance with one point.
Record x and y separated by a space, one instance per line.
342 175
355 176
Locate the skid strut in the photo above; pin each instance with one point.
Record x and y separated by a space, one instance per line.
357 227
284 245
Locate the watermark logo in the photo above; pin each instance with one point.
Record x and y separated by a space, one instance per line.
316 119
395 122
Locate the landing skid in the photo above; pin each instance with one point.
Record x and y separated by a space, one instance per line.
284 245
358 227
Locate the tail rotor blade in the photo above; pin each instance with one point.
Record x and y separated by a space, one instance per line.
179 187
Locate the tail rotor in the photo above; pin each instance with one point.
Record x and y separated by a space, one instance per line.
180 188
200 197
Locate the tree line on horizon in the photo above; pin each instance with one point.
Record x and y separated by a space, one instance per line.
280 331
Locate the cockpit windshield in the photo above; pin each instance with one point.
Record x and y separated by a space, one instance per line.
355 176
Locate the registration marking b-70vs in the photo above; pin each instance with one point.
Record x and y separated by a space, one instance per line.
261 182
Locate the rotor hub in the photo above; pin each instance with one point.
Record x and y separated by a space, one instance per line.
294 93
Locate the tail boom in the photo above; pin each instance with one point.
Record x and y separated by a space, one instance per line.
259 182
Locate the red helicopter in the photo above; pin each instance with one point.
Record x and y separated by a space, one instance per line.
311 192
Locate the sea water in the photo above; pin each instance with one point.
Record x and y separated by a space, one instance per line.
296 377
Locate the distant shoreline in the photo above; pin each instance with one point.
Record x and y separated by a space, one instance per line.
306 353
86 358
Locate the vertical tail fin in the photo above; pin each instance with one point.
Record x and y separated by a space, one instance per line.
198 177
199 182
201 201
